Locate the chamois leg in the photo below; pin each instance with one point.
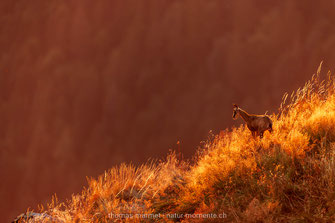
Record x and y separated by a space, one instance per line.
261 135
254 134
270 128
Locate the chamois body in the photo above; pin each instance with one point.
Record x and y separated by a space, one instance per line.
257 124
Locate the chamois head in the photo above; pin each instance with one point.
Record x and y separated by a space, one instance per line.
235 111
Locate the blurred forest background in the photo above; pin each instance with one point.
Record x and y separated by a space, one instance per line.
86 85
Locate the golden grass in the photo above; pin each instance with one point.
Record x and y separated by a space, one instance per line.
287 176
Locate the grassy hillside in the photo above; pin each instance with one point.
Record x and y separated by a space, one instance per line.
287 176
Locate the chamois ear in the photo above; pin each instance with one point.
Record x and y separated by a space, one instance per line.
235 105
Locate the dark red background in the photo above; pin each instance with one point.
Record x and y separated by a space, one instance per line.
86 85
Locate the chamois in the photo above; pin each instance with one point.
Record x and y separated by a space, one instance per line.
257 124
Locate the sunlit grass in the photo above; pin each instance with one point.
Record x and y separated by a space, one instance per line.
287 176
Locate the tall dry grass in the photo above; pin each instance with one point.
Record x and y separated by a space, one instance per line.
287 176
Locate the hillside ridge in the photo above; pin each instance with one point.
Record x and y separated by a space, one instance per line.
288 175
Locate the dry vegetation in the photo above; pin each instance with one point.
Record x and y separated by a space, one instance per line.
287 176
